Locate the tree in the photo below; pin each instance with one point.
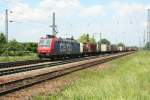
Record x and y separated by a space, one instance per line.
92 40
104 41
2 38
31 47
121 45
15 48
84 38
2 43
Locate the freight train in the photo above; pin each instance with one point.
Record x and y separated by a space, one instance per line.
53 47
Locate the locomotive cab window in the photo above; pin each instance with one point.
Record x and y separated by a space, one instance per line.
45 42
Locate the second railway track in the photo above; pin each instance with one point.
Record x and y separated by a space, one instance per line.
15 85
18 69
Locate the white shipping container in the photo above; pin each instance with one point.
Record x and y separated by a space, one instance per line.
104 47
120 48
98 47
81 47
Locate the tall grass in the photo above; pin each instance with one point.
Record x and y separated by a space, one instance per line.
127 78
17 58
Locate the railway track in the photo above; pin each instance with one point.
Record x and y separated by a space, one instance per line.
15 85
18 69
26 62
20 63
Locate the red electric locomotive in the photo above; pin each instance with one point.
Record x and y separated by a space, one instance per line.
53 47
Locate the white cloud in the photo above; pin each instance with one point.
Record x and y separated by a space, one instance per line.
1 16
59 4
61 7
125 9
9 2
92 11
24 13
1 22
147 6
41 12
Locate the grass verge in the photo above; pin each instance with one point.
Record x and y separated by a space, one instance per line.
127 78
18 58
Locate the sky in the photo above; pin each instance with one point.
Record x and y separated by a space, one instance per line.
117 20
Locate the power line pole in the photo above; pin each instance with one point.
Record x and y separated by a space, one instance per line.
148 26
140 44
100 41
6 30
54 32
6 24
144 40
100 36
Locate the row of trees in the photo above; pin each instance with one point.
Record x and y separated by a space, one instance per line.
84 38
14 48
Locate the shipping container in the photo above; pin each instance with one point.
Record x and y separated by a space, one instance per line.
114 48
88 48
105 48
121 48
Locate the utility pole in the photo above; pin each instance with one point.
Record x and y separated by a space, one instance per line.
139 44
6 30
100 36
100 41
148 26
54 32
6 25
144 40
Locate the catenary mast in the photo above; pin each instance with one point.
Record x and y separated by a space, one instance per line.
6 24
148 26
54 27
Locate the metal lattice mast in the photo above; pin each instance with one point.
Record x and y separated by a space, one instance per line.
148 26
54 32
6 24
100 41
144 39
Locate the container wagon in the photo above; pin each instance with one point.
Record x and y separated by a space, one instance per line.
114 48
88 48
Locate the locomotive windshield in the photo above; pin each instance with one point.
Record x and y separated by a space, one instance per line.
44 43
